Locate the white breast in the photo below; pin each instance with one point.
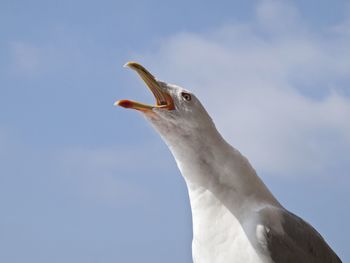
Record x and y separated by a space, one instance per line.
218 237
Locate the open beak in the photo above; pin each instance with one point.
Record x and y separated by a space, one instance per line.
163 99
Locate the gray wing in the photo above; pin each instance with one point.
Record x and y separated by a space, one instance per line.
300 242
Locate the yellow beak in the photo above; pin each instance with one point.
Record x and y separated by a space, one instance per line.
163 99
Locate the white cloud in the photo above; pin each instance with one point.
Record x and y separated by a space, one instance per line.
280 93
100 174
33 59
61 55
277 16
26 58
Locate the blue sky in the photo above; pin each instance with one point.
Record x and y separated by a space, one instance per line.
82 181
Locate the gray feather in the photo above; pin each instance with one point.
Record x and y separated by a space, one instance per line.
299 242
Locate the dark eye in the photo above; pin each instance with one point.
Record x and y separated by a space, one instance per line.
186 96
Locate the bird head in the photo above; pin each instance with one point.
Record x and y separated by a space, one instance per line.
176 110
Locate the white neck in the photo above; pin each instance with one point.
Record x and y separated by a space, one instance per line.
208 162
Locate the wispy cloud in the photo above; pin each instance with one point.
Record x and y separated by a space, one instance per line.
279 92
63 53
100 174
26 59
343 28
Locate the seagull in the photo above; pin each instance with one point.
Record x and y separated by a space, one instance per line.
235 217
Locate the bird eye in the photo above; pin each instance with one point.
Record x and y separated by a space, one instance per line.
186 96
